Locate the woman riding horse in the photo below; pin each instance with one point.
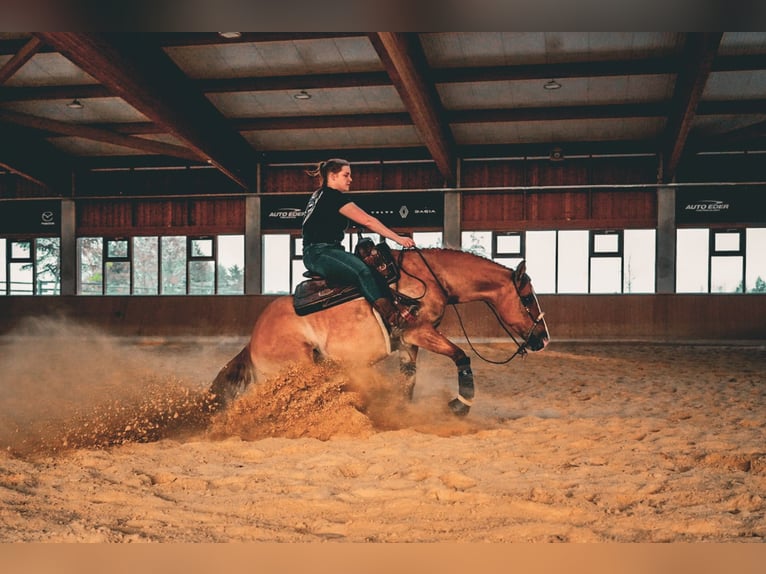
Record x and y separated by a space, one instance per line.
327 215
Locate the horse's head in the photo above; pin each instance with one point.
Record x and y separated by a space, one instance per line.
525 315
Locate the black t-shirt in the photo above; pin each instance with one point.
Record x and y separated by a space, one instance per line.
323 223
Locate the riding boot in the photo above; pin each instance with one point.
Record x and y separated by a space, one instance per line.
396 317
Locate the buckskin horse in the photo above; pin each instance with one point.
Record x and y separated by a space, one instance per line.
351 333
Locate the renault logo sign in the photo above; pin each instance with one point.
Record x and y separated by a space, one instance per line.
404 212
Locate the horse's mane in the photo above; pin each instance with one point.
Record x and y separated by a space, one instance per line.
459 254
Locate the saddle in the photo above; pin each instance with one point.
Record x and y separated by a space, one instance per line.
316 293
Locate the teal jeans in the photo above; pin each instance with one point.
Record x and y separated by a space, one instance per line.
340 267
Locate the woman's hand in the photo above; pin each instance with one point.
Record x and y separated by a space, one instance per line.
405 241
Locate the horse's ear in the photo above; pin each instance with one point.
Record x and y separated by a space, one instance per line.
521 268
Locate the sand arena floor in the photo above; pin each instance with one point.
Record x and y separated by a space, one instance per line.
107 440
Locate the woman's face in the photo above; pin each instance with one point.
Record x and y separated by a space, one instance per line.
340 180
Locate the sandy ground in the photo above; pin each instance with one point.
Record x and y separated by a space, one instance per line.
107 440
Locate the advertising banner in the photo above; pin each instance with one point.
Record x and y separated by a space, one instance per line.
395 209
706 205
41 217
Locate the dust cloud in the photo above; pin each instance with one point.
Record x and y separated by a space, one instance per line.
65 386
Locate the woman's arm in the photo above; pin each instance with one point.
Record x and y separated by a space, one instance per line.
360 216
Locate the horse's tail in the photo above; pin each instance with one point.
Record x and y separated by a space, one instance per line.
232 379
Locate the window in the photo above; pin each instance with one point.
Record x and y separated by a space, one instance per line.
606 249
508 248
173 265
30 266
574 261
117 267
727 261
231 264
145 266
755 261
201 254
721 260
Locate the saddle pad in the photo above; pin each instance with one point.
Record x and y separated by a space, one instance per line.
314 295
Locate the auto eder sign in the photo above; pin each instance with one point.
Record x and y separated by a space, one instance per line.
720 205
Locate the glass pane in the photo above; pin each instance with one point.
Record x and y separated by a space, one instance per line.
298 269
173 265
201 277
21 249
726 274
116 248
20 279
509 244
276 264
605 275
426 239
91 270
3 284
606 243
509 262
640 256
145 265
726 241
231 264
201 248
541 260
47 263
756 261
573 262
692 261
117 278
477 242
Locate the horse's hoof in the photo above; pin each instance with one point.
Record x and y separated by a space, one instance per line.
458 408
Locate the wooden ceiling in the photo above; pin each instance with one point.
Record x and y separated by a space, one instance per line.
199 98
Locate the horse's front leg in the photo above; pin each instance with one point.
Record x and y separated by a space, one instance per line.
428 338
408 356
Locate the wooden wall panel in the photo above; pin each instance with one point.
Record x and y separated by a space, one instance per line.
554 173
504 173
624 208
416 175
551 209
286 179
492 211
143 182
208 216
623 170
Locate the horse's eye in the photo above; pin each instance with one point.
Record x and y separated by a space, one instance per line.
527 300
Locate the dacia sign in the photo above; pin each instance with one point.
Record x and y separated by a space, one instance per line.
731 205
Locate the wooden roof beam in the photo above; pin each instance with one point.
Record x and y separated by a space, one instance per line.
19 59
143 75
96 134
35 160
402 55
697 63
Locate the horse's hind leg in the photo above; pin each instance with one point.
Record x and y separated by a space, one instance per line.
232 379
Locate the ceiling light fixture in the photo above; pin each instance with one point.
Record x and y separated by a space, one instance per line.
551 85
302 95
75 104
230 35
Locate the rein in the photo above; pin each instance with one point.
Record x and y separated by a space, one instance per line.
520 351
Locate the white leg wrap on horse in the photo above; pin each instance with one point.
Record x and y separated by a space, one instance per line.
466 402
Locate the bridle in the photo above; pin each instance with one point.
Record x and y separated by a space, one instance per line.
526 300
